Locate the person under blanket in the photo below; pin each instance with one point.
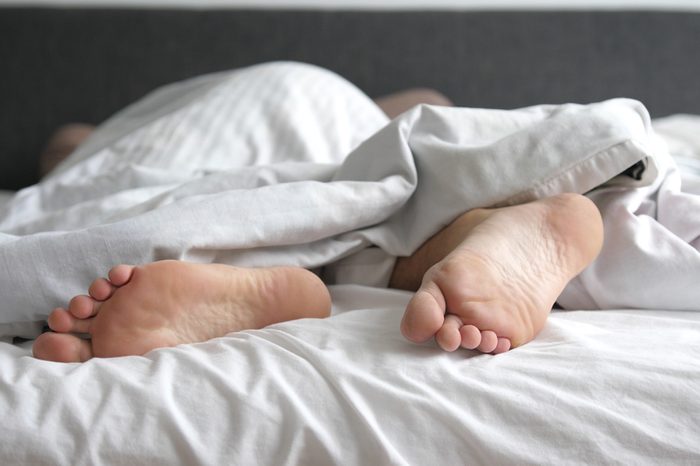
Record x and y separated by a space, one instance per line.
486 282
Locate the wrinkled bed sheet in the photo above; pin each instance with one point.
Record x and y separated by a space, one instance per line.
593 387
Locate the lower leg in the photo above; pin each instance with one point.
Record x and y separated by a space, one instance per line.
489 280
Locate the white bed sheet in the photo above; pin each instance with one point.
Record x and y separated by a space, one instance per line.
594 387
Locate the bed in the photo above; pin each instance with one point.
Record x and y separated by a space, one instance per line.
610 386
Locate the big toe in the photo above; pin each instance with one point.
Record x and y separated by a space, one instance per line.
424 315
60 347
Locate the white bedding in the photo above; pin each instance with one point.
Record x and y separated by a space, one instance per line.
594 387
5 196
288 164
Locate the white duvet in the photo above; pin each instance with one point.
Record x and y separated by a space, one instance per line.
249 168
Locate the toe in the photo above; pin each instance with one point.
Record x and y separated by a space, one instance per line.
101 289
471 336
121 274
448 336
60 320
502 346
60 347
489 341
83 306
424 315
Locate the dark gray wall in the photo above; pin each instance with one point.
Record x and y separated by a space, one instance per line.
69 65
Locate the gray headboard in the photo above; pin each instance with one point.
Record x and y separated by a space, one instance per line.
64 65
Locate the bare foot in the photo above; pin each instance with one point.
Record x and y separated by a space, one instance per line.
497 273
167 303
